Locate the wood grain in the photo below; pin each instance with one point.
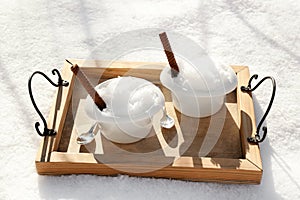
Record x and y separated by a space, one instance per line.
247 117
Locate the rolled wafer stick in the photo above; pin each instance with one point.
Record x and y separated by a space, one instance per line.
88 86
169 53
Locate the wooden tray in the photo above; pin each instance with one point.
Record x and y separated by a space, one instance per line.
232 159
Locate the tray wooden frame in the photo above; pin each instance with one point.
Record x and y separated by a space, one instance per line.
49 161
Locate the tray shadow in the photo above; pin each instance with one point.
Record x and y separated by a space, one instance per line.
214 137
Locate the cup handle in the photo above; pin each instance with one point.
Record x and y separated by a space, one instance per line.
168 151
257 139
61 82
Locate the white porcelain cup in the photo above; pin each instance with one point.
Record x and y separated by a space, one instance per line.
199 91
196 106
131 104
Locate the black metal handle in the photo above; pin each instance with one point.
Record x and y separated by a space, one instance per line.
61 82
256 138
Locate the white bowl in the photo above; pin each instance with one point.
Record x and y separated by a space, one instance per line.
199 91
131 104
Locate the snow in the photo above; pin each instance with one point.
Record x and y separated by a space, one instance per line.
39 35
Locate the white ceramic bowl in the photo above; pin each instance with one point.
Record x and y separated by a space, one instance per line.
199 91
131 104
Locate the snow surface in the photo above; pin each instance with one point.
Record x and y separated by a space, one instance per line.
39 35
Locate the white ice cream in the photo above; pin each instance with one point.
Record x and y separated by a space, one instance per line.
201 76
126 97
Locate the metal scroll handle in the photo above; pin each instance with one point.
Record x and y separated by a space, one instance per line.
257 138
61 82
